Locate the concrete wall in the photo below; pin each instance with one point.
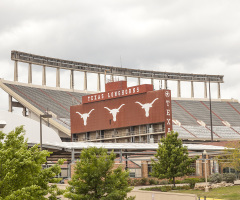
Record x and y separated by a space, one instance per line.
152 195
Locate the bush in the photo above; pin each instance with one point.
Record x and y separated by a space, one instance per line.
229 177
143 181
162 189
166 188
184 187
152 182
191 181
202 180
216 178
135 182
163 182
176 181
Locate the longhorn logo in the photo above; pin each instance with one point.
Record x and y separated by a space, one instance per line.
114 112
147 106
85 116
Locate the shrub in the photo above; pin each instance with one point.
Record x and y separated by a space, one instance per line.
162 189
191 181
163 182
216 178
229 177
143 181
166 188
184 187
135 182
202 180
178 181
152 182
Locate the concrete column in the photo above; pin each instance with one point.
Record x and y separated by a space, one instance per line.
98 82
105 79
144 166
58 77
165 85
192 90
112 78
219 91
152 82
179 88
72 79
30 73
10 103
125 78
24 112
139 81
85 81
44 75
16 70
205 89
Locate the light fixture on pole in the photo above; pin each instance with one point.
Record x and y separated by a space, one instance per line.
43 116
210 107
205 162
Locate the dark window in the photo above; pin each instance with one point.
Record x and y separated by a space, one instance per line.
149 170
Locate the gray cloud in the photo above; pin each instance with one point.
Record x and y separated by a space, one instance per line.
178 36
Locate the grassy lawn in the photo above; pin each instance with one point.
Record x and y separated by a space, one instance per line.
226 193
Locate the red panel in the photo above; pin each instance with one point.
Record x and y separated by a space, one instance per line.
118 85
117 93
130 113
168 111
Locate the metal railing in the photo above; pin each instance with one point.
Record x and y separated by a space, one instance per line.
94 68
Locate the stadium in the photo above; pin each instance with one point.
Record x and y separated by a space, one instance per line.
129 120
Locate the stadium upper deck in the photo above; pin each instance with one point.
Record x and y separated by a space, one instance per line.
191 117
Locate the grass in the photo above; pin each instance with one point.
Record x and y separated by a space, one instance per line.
226 193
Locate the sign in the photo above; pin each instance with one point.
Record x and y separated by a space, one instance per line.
131 110
118 93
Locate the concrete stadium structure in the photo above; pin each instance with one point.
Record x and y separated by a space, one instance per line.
190 116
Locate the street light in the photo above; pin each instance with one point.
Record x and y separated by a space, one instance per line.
205 161
43 116
210 104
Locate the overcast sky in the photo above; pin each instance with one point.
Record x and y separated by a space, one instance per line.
176 36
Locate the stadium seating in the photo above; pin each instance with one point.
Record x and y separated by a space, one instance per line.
187 112
56 101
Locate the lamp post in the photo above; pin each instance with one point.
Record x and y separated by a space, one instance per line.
205 162
210 106
43 116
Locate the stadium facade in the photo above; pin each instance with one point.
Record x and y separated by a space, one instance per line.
134 117
190 116
123 114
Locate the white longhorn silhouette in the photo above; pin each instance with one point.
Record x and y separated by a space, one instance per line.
85 116
114 112
147 106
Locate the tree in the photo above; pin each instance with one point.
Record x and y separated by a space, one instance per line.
231 156
172 159
21 173
94 177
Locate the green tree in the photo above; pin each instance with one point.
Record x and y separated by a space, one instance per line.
94 177
231 156
172 159
21 173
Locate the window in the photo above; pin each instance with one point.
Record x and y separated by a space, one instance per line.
149 170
